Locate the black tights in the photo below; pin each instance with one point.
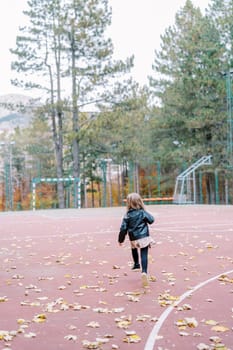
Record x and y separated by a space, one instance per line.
144 257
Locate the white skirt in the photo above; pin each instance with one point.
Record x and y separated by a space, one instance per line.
142 242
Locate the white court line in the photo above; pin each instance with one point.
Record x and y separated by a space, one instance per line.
154 333
197 231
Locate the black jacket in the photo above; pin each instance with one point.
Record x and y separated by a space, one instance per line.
135 223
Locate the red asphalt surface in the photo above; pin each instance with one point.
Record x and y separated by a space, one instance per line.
66 284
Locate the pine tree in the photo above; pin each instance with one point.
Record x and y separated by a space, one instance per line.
190 89
65 50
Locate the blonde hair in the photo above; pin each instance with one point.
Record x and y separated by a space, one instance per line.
134 201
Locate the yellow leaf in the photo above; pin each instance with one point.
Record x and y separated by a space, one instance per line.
220 329
21 321
2 299
225 278
134 338
123 324
39 318
152 279
211 322
181 323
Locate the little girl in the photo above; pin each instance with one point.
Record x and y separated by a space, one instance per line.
135 223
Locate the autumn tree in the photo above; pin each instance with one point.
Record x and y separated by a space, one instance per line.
91 67
63 51
121 131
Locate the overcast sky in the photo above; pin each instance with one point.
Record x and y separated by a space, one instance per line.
136 29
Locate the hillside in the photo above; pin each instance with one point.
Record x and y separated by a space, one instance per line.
15 111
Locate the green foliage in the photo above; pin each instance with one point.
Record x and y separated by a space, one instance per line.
65 49
34 153
121 132
190 88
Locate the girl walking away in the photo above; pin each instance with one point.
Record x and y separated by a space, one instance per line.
135 223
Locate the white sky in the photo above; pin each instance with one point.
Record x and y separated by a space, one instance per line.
136 29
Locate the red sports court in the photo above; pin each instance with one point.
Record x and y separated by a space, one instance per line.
65 283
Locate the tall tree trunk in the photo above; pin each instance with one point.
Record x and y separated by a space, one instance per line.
75 148
57 127
58 145
60 172
59 163
136 177
110 182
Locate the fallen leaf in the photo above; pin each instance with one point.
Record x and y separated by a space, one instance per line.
118 309
211 322
93 324
166 299
220 329
143 317
191 322
133 298
71 337
187 307
123 324
116 267
203 346
2 299
215 339
7 335
102 340
183 334
39 318
152 279
90 345
220 347
62 287
133 293
134 338
30 335
21 321
124 321
196 334
225 278
101 310
130 332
